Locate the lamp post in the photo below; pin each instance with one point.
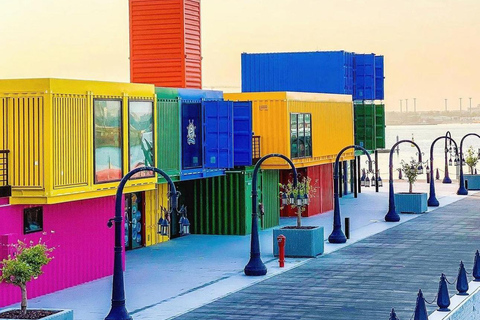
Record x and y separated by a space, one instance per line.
255 266
337 235
432 200
447 179
462 190
392 215
118 310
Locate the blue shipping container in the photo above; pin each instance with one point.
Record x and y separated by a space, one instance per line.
364 66
242 133
197 94
379 78
218 125
321 71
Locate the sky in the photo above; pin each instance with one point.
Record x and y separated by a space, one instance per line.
431 47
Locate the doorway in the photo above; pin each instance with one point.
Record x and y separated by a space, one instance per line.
134 220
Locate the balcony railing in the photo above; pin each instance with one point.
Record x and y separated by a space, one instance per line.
5 188
256 152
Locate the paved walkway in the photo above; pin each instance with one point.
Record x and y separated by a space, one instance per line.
368 278
169 279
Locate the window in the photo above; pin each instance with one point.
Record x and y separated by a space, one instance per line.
32 220
300 135
108 140
140 133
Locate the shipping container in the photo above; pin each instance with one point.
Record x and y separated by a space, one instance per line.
165 43
369 126
321 72
156 207
379 78
310 128
223 205
71 140
321 196
364 66
380 126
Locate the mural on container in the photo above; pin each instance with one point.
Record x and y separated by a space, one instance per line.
108 140
141 136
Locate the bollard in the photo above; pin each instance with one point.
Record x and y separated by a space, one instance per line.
420 308
443 300
393 315
400 174
281 239
438 175
476 267
428 177
462 282
347 228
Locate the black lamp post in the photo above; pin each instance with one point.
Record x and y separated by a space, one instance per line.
448 149
432 200
337 235
118 310
255 266
462 190
392 215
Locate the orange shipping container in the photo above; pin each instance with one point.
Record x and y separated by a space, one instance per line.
165 46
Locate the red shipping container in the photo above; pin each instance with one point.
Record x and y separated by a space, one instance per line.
165 47
322 180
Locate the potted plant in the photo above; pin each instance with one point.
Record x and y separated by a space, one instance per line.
411 202
301 241
21 267
472 180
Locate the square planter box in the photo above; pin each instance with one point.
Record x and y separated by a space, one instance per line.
64 314
472 181
300 242
411 202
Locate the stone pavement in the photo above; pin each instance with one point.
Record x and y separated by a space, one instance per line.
366 279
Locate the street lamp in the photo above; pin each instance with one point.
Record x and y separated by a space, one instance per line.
392 215
337 235
432 200
462 190
118 310
255 266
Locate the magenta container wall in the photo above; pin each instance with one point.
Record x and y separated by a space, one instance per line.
83 244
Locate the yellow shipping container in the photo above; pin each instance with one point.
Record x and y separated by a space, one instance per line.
72 139
310 128
156 201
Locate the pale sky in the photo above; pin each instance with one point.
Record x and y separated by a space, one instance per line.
431 47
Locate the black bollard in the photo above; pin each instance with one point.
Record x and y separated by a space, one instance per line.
476 267
400 174
462 282
347 228
428 177
443 300
420 308
437 177
393 315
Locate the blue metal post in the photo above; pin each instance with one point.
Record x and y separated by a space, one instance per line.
255 266
462 190
392 215
462 282
476 267
393 315
420 308
337 235
447 179
118 310
432 200
443 299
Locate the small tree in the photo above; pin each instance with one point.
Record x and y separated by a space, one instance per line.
304 186
471 159
25 264
410 170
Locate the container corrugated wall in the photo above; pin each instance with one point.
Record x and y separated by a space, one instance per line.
331 124
365 125
380 126
322 72
365 80
379 78
165 47
3 124
168 138
155 200
270 198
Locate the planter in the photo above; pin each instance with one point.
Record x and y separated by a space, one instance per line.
63 314
411 202
300 242
472 181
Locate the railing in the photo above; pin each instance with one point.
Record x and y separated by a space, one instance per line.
5 188
256 154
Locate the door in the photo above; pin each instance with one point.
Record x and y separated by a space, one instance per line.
134 220
218 124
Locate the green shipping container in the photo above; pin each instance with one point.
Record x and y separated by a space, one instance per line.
364 118
223 205
380 125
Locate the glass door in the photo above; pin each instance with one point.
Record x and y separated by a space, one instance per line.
134 221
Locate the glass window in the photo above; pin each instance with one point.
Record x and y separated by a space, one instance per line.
301 135
32 220
308 135
108 140
140 133
294 135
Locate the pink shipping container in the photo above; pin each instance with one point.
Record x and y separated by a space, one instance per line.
83 244
165 46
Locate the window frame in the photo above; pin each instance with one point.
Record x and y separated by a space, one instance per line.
301 154
32 210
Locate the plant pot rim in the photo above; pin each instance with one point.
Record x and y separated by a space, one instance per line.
58 312
410 193
298 228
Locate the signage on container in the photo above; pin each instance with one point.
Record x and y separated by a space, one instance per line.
263 107
191 132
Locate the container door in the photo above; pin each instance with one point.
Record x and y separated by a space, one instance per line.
134 221
192 138
364 77
380 126
379 78
218 127
242 133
